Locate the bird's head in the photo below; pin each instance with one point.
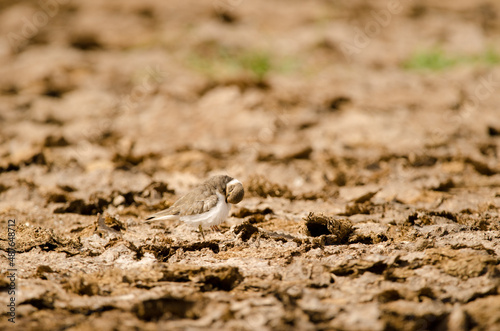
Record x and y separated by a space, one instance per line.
234 191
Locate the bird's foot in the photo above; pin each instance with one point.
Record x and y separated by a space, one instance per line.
215 228
201 231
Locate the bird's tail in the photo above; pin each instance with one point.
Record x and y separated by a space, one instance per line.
161 216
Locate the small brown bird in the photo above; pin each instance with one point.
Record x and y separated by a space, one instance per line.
207 205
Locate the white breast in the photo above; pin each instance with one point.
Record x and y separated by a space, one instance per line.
214 216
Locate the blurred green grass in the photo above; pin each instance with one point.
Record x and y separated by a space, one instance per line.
436 59
223 62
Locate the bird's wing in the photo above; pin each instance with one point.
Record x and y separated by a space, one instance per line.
198 201
199 205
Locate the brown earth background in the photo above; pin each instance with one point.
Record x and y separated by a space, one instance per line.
366 134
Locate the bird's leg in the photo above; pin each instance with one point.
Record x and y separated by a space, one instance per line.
201 231
215 228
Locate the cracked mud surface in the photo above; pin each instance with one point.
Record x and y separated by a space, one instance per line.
372 189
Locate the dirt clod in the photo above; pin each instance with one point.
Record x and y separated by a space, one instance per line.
209 279
166 307
245 230
259 186
338 230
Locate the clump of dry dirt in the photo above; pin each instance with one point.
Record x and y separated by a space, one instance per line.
260 186
334 231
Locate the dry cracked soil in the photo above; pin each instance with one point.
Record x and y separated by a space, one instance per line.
366 134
